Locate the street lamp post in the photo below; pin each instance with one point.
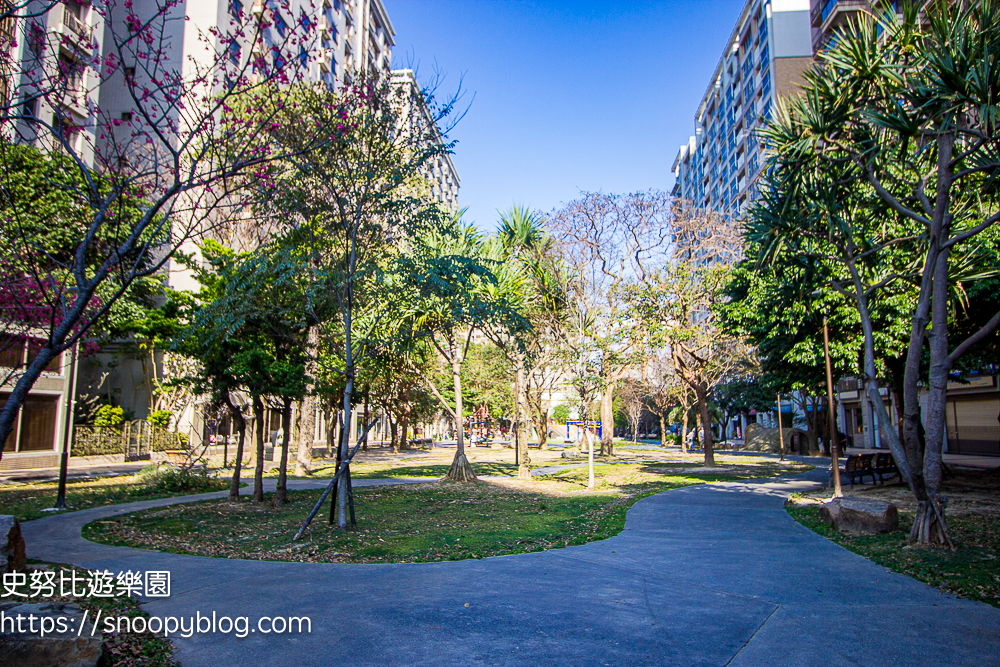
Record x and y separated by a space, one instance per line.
838 492
67 429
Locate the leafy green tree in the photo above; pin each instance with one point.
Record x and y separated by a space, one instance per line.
890 155
444 298
346 206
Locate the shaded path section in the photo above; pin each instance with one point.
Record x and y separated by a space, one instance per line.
713 574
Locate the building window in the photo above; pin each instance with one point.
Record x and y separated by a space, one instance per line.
280 26
303 56
31 111
35 424
235 10
234 51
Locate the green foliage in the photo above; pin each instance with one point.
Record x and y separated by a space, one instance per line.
109 415
166 479
160 417
560 414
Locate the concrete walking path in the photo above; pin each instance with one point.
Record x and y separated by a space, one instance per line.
715 574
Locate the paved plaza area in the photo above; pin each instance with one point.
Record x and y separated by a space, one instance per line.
714 574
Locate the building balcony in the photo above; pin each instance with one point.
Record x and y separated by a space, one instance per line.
827 15
326 60
76 31
324 26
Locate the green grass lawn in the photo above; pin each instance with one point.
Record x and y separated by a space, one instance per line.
418 523
395 470
971 571
26 501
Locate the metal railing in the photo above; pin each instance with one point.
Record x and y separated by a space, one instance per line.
76 25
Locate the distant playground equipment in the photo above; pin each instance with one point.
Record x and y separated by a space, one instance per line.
582 424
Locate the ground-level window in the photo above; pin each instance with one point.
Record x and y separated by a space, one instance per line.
35 428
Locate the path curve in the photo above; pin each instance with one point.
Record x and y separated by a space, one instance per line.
713 574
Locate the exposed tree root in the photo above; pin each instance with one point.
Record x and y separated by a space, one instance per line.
524 471
929 526
461 470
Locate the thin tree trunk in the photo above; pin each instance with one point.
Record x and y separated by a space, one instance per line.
663 428
394 430
523 457
364 393
405 427
608 421
706 425
685 407
461 470
241 426
281 492
258 472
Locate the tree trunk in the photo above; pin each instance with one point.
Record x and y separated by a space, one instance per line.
663 428
684 424
241 426
523 457
258 472
331 430
307 436
405 427
460 470
608 421
281 491
364 420
393 430
701 392
929 525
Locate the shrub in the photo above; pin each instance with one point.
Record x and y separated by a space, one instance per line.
160 418
166 479
109 415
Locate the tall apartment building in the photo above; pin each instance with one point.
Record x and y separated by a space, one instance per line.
349 35
70 34
66 36
769 49
441 175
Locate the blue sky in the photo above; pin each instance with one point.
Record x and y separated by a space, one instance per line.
568 96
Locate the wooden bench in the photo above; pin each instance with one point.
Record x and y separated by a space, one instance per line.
885 466
859 466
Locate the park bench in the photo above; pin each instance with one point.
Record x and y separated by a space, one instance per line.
885 466
858 466
421 442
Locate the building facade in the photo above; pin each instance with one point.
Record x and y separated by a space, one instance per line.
764 59
441 175
48 84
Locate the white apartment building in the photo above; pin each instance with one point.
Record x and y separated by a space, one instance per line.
64 36
763 61
441 174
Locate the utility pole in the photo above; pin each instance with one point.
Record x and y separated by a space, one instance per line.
781 433
838 492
